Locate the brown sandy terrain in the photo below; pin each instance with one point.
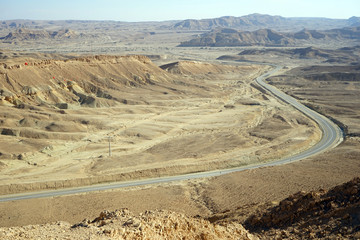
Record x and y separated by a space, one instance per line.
62 113
203 113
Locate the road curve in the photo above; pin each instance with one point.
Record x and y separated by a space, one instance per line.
331 137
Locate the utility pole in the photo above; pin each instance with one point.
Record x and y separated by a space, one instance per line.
109 146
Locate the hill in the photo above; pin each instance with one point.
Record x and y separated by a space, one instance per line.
268 37
92 81
252 21
7 56
230 37
25 34
194 68
349 55
309 52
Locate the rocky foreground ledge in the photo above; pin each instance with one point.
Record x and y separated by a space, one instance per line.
122 224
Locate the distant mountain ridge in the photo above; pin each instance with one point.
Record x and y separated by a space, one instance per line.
268 37
253 29
249 22
259 21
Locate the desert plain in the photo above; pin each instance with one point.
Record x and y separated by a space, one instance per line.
87 109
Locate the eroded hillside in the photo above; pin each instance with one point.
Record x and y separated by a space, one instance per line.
93 81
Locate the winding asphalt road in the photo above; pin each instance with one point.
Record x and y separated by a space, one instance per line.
332 136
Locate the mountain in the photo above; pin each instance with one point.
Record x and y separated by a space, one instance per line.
246 22
259 21
230 37
354 21
268 37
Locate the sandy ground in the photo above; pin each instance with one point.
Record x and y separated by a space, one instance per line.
202 117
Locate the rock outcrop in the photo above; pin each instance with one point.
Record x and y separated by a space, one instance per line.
317 214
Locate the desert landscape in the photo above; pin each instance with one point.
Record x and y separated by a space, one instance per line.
90 103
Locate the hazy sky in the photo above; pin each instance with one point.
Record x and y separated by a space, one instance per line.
158 10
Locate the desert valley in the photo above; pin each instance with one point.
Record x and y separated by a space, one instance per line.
97 103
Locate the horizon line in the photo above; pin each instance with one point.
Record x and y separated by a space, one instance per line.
169 20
